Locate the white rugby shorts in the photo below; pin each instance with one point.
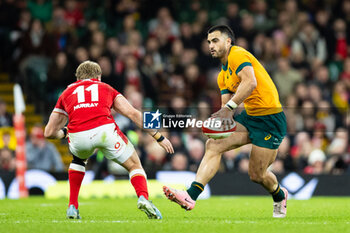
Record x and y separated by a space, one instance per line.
105 138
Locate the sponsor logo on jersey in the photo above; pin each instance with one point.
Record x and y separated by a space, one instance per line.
267 137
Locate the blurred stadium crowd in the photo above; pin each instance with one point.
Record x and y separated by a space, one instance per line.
155 53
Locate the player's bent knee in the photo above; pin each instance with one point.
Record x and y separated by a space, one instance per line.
132 163
256 177
212 146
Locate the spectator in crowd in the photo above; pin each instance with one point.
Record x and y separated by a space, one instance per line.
322 80
243 164
228 161
285 78
5 117
187 36
95 51
292 112
233 19
195 83
37 48
80 54
242 158
156 61
108 76
73 14
298 62
248 30
176 141
341 40
338 151
42 154
156 158
7 160
341 97
61 29
203 109
196 152
316 162
24 21
301 149
201 23
325 116
315 93
98 39
311 44
40 9
308 114
262 20
37 41
345 75
285 156
339 145
277 166
319 138
174 59
59 76
323 24
301 93
129 25
164 23
178 162
268 54
8 140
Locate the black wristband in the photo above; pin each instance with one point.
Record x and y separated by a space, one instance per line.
229 107
160 139
65 132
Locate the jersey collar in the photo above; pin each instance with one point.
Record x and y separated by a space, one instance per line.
224 66
88 79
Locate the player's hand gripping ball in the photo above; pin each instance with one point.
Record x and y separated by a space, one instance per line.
214 128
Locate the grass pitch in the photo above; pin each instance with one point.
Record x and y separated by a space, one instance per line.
218 214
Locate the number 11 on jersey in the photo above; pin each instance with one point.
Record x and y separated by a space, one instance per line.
80 91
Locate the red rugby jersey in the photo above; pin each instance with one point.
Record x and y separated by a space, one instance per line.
87 103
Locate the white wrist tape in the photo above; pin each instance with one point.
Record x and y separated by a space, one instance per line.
231 105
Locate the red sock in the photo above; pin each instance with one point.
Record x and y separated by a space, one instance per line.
75 179
140 184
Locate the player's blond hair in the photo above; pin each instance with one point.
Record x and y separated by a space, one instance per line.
88 69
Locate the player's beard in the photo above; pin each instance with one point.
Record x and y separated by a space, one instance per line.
219 53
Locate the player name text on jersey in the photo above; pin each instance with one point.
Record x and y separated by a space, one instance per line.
85 105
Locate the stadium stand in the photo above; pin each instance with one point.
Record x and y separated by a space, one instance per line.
156 54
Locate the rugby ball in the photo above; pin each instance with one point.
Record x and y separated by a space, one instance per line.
213 128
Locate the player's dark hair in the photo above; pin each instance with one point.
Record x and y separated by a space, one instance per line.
224 29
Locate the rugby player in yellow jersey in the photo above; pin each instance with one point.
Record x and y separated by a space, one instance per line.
262 123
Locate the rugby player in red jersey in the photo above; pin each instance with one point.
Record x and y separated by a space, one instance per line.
86 105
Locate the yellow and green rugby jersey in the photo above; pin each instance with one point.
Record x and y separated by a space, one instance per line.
264 99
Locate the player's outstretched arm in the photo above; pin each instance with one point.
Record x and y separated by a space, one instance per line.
55 127
122 106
